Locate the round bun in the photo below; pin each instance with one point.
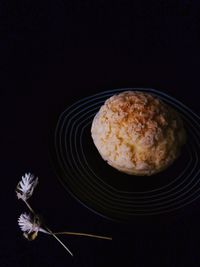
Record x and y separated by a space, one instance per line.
137 133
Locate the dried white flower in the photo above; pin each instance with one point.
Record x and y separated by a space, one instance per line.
26 186
30 226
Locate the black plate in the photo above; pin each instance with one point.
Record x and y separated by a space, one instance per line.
110 192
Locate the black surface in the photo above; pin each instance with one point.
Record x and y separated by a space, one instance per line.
54 53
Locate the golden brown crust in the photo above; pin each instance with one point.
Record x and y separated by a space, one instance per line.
137 133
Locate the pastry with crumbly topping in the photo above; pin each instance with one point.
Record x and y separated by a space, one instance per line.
137 133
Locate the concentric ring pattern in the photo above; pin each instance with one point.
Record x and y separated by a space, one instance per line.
109 192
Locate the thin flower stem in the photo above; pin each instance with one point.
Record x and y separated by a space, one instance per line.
44 231
28 205
59 241
83 234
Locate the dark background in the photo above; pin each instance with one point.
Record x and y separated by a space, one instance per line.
52 54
